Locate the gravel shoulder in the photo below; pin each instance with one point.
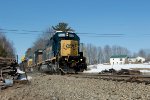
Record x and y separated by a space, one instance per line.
56 87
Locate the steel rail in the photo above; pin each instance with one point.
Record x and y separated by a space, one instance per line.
126 78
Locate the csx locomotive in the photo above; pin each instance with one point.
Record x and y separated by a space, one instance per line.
61 54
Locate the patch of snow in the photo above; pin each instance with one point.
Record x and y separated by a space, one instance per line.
19 71
28 77
99 67
145 71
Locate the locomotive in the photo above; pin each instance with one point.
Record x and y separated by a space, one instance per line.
61 54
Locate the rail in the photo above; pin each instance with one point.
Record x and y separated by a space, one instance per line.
126 78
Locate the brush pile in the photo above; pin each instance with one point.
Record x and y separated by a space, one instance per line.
8 67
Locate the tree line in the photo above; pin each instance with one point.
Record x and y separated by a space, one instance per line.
97 54
6 47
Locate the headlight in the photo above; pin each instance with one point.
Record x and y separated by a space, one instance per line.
67 34
65 58
81 59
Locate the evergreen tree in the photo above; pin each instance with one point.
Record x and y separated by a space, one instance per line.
62 27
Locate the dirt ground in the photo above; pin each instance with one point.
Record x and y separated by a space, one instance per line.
57 87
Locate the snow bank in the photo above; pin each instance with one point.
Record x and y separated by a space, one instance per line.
98 68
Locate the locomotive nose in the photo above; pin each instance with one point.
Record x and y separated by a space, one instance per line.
69 47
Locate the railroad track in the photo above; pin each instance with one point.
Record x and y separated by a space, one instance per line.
126 78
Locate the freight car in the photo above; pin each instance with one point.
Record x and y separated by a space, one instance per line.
61 54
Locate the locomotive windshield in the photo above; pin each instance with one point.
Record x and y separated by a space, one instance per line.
64 34
61 34
71 35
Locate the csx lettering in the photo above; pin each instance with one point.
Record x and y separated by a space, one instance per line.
71 46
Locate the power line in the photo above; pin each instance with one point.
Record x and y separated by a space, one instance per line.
100 34
31 31
112 35
38 32
15 30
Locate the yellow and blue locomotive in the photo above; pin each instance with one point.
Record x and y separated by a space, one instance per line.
62 54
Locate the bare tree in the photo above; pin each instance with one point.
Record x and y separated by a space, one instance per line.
89 46
40 43
118 50
94 54
6 48
100 57
107 52
142 53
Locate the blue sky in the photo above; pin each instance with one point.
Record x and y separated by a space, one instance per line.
128 17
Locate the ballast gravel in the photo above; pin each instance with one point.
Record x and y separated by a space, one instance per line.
57 87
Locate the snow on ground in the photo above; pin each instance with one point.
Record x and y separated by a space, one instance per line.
144 68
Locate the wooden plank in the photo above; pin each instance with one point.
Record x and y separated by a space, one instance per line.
6 61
